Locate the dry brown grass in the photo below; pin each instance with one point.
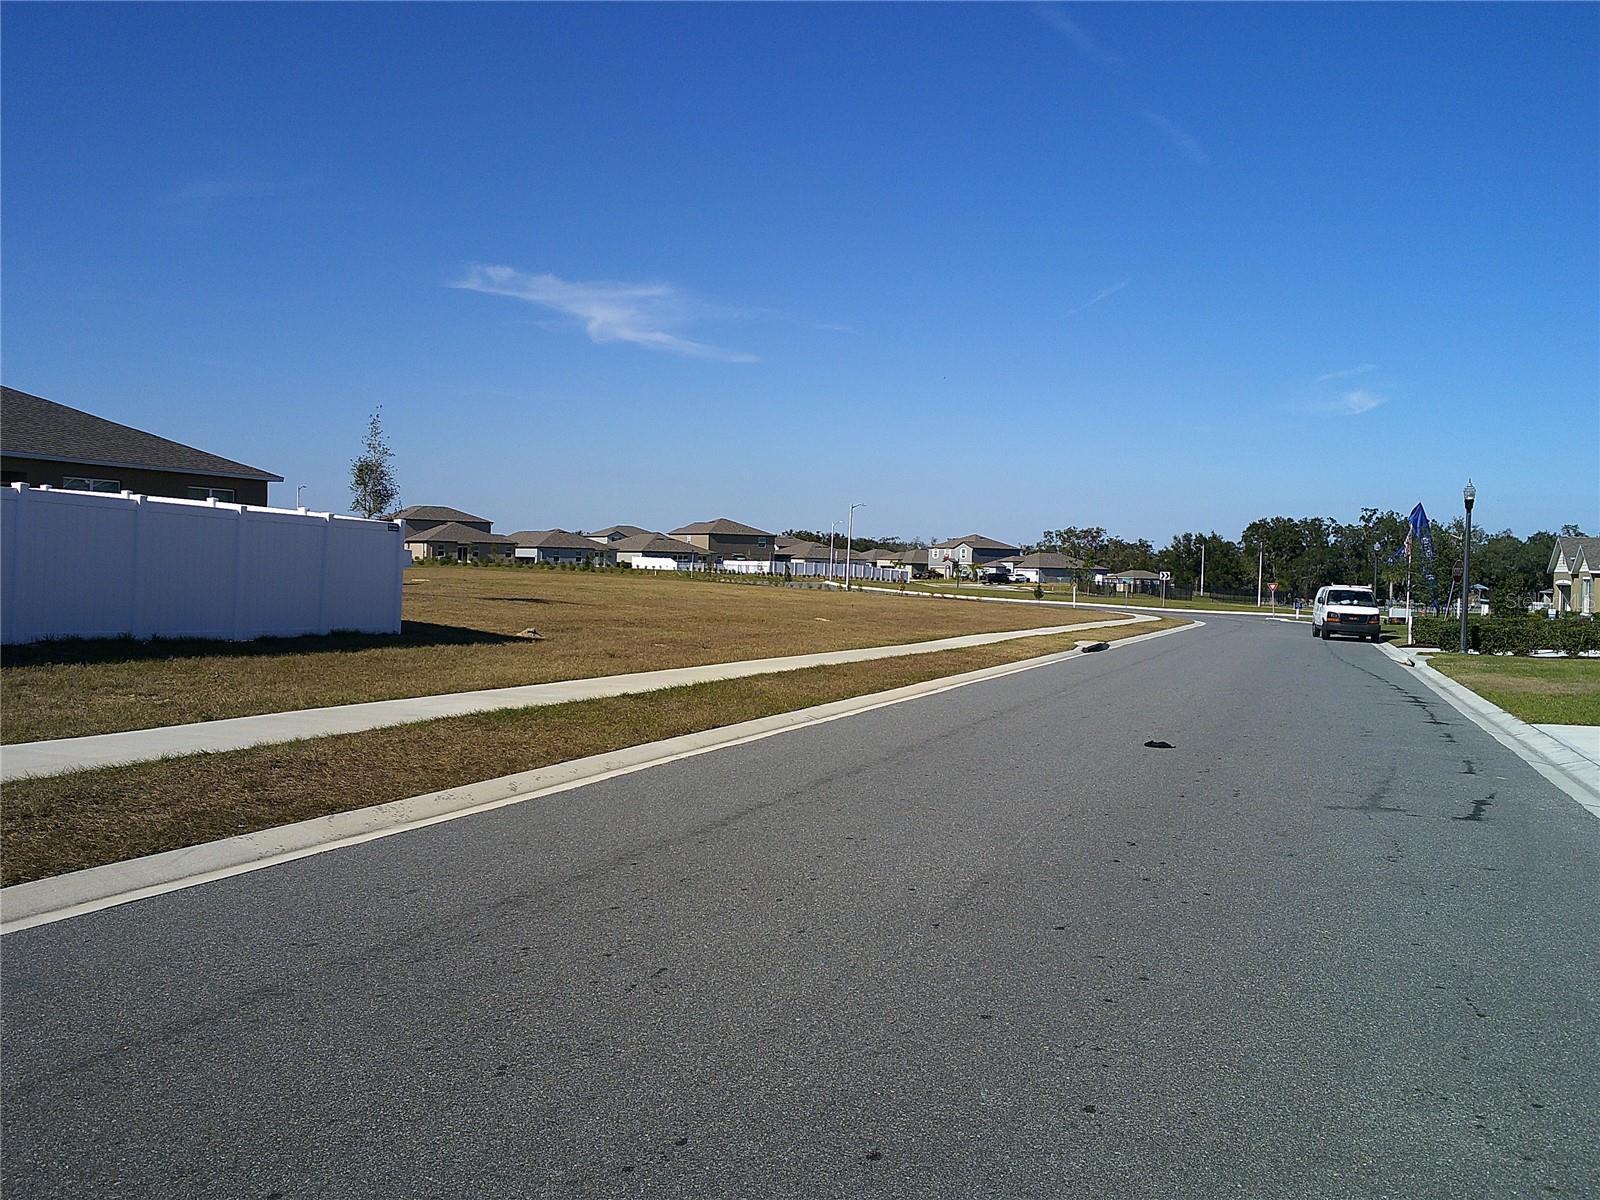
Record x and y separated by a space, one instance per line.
458 637
65 823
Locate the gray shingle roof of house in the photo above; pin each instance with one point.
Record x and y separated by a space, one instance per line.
809 550
556 539
454 531
1049 561
1136 575
655 543
38 428
1577 549
434 512
624 530
977 541
721 527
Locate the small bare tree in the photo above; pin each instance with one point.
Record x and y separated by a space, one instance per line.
372 480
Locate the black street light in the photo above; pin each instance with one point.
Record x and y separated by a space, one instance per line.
1468 495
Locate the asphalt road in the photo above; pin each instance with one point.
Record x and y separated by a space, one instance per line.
1335 942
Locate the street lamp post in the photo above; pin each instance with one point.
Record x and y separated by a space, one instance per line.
849 536
833 531
1375 549
299 491
1468 495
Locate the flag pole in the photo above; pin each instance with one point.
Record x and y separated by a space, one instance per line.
1410 638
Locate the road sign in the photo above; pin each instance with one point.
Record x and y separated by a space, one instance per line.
1273 586
1165 575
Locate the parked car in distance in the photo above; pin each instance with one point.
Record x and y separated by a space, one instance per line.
1346 610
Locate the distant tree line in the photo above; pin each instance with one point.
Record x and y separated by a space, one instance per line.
1303 553
860 543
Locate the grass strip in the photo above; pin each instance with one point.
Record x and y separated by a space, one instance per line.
464 631
68 822
1541 691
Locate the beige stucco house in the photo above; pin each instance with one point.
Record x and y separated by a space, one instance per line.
1572 569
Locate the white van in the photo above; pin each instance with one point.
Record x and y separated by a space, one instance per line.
1346 609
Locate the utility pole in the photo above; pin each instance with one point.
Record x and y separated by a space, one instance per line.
1260 563
1468 495
832 532
1202 566
849 537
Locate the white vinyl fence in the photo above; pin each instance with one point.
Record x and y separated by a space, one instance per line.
92 564
858 569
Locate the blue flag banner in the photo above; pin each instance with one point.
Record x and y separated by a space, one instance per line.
1420 536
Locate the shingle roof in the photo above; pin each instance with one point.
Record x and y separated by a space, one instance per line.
624 530
39 428
1578 550
556 539
454 531
977 541
723 527
434 512
1049 561
655 543
807 550
1136 575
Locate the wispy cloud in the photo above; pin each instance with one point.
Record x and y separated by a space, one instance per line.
1348 404
1080 38
1348 372
641 314
1090 48
1185 142
1102 294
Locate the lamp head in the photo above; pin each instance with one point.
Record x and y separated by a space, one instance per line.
1469 494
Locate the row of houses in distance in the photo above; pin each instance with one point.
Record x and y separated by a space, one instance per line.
436 532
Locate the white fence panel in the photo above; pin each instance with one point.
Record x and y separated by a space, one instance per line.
82 564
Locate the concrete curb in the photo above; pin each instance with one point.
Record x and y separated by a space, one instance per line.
24 905
64 755
1560 764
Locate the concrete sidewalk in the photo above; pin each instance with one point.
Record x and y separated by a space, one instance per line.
62 755
1583 740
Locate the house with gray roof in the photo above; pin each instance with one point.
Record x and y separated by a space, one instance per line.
966 553
724 539
47 444
455 541
658 552
1573 564
560 546
1046 567
421 517
792 551
614 533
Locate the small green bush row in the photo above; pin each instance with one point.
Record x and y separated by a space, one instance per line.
1512 635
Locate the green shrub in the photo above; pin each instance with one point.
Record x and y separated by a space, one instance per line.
1576 635
1508 636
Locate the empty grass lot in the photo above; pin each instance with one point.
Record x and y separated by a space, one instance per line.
68 822
459 635
1541 691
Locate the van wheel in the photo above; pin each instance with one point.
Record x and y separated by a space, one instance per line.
1315 632
1325 635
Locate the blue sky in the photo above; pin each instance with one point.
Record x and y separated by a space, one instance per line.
991 267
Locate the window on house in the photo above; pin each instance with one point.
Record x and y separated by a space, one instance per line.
226 495
81 483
